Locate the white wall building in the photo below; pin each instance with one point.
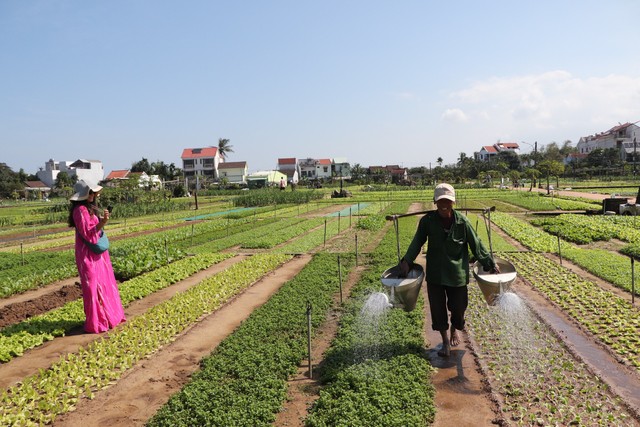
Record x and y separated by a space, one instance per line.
90 171
619 137
200 162
234 172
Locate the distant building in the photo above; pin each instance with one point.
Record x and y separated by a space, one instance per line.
36 190
307 168
396 173
340 168
289 167
88 170
265 179
233 172
115 177
619 137
200 162
488 152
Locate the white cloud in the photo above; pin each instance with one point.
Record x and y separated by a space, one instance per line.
454 115
554 101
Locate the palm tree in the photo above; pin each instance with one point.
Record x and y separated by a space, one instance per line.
224 148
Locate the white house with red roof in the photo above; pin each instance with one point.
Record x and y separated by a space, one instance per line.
200 162
488 152
323 168
315 168
620 137
233 172
289 167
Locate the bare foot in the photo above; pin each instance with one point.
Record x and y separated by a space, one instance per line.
445 351
454 337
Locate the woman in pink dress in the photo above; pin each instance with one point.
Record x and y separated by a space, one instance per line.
102 305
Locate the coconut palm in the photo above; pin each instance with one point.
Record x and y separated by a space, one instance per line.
224 148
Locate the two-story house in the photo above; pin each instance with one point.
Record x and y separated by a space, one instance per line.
201 162
323 168
88 170
289 167
340 168
619 137
488 152
233 172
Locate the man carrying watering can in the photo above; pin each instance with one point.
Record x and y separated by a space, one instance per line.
449 236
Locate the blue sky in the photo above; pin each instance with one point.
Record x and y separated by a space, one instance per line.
377 82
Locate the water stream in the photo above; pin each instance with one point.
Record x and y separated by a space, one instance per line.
368 326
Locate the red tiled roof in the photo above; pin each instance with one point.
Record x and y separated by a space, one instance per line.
232 165
490 149
196 153
510 145
287 161
35 184
117 174
324 161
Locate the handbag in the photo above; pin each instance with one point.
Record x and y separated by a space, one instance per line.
101 246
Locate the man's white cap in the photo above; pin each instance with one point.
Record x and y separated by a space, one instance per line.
444 191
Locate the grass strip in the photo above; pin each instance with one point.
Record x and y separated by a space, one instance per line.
375 372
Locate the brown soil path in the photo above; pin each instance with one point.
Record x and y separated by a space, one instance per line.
462 397
145 388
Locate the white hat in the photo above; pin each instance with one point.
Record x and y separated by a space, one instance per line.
82 189
444 191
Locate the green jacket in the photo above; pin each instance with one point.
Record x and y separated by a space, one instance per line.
448 253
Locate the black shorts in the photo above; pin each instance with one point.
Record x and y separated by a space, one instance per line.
445 299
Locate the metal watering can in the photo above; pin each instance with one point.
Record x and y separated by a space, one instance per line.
403 291
492 285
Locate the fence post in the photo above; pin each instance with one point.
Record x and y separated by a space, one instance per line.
633 282
309 338
559 252
325 232
356 249
340 278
